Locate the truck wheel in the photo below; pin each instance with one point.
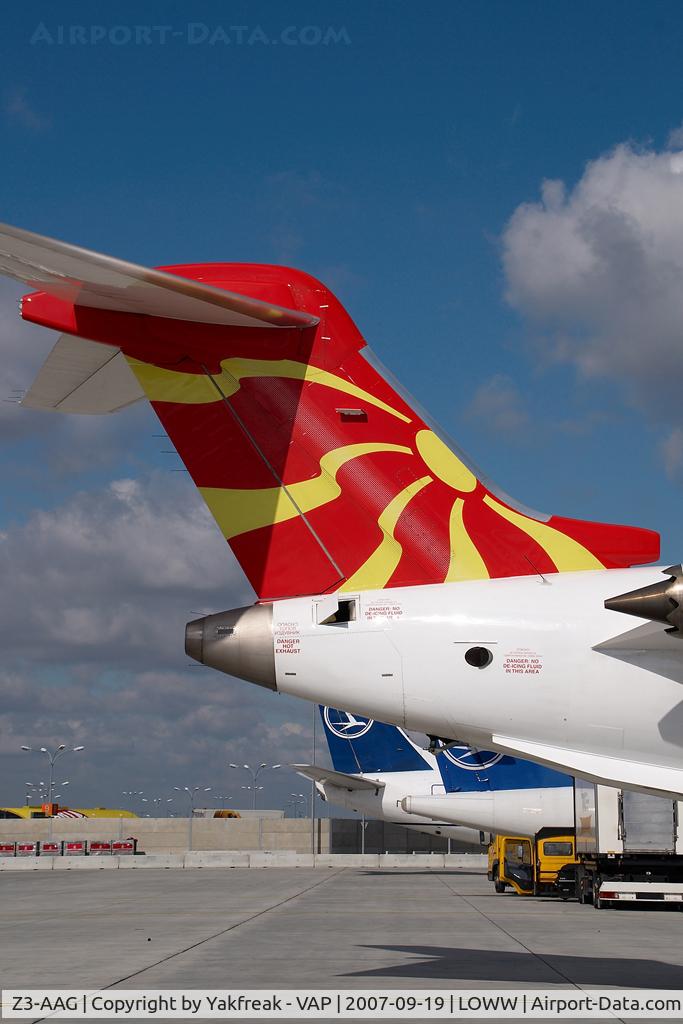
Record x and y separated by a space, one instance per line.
499 886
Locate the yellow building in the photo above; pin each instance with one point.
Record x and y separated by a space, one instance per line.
40 811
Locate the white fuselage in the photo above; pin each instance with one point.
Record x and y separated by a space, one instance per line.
385 803
553 691
413 800
519 812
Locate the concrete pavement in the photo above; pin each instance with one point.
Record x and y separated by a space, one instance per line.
318 928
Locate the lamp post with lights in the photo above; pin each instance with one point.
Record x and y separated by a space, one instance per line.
157 803
132 795
299 802
254 772
53 756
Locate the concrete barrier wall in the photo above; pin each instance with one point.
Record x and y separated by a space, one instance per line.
172 835
200 859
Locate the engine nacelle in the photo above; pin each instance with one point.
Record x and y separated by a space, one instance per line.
660 602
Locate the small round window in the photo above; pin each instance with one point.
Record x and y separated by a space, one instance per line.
478 657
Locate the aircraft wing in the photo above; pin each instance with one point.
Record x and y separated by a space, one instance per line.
600 768
95 281
341 779
650 636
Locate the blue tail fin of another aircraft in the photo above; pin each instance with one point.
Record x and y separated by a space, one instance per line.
359 745
465 770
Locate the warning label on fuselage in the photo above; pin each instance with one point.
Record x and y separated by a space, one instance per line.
287 638
522 662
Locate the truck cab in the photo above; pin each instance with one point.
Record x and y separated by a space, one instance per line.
531 865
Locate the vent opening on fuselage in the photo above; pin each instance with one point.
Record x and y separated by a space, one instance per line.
346 612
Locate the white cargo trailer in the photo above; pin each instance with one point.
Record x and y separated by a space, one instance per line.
629 847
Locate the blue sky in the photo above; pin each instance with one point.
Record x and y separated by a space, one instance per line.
388 161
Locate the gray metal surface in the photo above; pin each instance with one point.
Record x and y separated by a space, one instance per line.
238 641
661 602
83 377
336 928
648 823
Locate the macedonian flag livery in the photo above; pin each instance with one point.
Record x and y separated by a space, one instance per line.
317 467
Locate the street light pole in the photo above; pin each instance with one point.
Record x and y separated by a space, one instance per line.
52 755
192 793
254 772
157 802
253 790
131 794
38 791
299 801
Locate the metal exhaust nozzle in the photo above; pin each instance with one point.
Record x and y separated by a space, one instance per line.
659 602
238 642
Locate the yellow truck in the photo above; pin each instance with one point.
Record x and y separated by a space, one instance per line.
545 863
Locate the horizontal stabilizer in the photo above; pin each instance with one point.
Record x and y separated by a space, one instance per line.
610 771
320 472
350 782
96 281
79 377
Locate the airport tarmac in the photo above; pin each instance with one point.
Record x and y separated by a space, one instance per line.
320 928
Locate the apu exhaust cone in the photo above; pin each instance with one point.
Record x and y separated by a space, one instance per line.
239 642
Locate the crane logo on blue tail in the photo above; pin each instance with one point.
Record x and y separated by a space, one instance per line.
345 725
470 759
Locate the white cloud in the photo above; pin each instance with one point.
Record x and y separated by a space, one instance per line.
20 109
671 451
69 445
598 269
499 406
98 588
24 347
92 636
114 573
153 730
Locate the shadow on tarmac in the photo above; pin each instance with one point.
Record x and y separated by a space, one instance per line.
446 872
485 965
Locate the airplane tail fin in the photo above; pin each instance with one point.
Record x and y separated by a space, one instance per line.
321 472
466 769
360 745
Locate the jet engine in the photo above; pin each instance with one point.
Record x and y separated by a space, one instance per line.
660 602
